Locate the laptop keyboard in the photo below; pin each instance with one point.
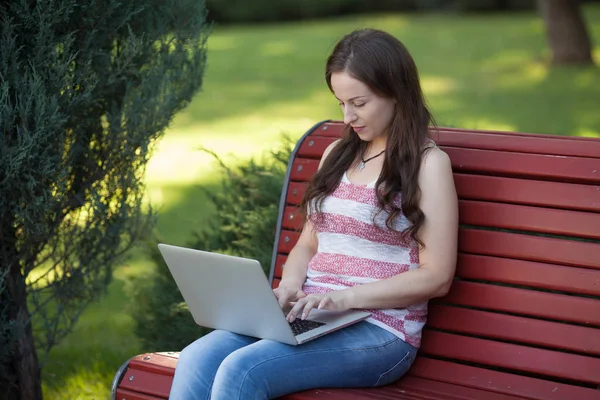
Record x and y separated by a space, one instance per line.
300 326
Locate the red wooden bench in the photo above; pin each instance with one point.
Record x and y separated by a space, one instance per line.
522 319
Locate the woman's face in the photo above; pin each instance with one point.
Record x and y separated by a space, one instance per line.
369 114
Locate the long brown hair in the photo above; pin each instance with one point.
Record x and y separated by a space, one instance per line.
383 63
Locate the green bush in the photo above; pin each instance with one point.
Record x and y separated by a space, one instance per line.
246 207
235 11
475 5
268 10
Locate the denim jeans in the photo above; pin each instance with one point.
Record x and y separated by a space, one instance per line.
227 366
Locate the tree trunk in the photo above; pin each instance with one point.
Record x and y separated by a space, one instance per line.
566 32
24 361
25 356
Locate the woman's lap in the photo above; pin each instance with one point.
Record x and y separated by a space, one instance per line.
239 367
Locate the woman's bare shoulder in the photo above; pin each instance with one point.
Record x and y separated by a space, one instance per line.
435 161
328 150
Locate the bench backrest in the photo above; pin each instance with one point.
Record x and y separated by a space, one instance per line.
523 315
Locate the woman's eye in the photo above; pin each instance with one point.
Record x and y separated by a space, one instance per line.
359 105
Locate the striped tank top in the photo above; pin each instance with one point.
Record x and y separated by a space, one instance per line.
353 250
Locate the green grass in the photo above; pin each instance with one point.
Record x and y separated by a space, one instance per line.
485 72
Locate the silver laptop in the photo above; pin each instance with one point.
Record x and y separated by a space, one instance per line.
233 294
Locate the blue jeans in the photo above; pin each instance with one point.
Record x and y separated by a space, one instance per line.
227 366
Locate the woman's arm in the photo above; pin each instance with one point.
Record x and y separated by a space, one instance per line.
294 272
439 233
296 265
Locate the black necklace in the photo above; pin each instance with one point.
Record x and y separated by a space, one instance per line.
362 164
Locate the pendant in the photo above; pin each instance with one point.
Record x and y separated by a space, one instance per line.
361 166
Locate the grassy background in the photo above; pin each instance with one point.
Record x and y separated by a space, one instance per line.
486 72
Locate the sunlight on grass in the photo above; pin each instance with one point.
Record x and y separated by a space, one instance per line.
280 48
88 384
180 160
588 133
437 85
223 42
488 124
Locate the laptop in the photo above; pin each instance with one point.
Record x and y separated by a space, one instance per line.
233 294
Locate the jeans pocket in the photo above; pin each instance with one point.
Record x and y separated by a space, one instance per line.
398 370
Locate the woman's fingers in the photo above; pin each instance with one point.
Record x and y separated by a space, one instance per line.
282 296
286 296
324 303
302 308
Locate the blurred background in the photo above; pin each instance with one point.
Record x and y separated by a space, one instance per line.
483 64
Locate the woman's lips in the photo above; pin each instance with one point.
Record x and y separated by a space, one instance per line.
358 129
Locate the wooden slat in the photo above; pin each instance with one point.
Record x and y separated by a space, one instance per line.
295 192
511 356
558 168
511 133
292 218
409 388
303 169
517 272
529 273
506 216
154 362
387 393
515 329
287 241
532 248
525 302
499 382
432 389
332 128
314 146
123 394
527 218
499 140
279 264
528 192
569 196
146 382
520 143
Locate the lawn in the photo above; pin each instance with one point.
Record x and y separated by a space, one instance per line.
485 72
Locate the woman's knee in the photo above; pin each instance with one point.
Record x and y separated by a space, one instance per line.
240 374
204 347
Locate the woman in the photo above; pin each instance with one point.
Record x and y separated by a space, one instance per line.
380 234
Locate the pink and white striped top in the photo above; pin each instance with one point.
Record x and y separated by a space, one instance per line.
353 250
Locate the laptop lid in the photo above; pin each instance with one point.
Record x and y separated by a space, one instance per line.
227 292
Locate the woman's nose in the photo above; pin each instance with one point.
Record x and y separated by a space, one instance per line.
349 115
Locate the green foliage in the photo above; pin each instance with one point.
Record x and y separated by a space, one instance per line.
161 320
246 208
476 5
86 88
267 10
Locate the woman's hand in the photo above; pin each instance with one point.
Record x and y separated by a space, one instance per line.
334 301
286 294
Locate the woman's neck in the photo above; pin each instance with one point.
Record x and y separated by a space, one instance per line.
377 145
